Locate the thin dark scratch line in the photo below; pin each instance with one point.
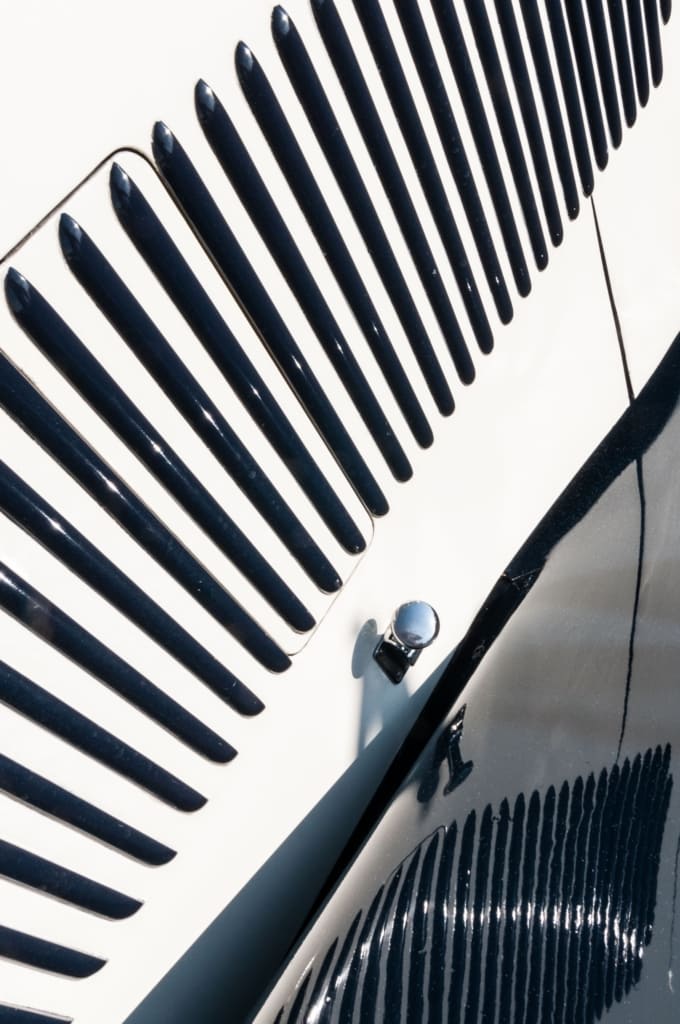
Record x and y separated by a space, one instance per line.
640 484
675 896
636 601
615 312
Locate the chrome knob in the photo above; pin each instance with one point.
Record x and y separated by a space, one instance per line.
413 627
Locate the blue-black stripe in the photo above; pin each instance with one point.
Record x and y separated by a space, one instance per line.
46 796
47 956
46 710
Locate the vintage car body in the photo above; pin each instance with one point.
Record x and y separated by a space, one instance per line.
231 347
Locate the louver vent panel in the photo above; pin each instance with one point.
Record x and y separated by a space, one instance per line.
222 367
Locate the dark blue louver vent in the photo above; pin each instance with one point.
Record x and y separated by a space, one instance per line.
536 911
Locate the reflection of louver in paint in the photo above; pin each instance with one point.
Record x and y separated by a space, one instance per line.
536 911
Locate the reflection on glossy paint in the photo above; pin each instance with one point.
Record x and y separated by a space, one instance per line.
537 912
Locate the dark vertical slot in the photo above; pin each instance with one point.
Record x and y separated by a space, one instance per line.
401 923
31 513
541 908
367 1008
319 112
46 796
505 10
333 988
637 43
33 871
605 69
47 956
421 922
440 929
237 164
350 977
399 93
645 890
459 917
566 900
316 998
654 41
493 943
44 424
156 247
302 182
587 940
577 914
546 83
56 628
622 858
41 707
617 20
666 8
558 31
551 930
478 917
486 47
526 903
512 882
447 129
299 1000
201 210
626 944
659 819
608 836
586 73
375 137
